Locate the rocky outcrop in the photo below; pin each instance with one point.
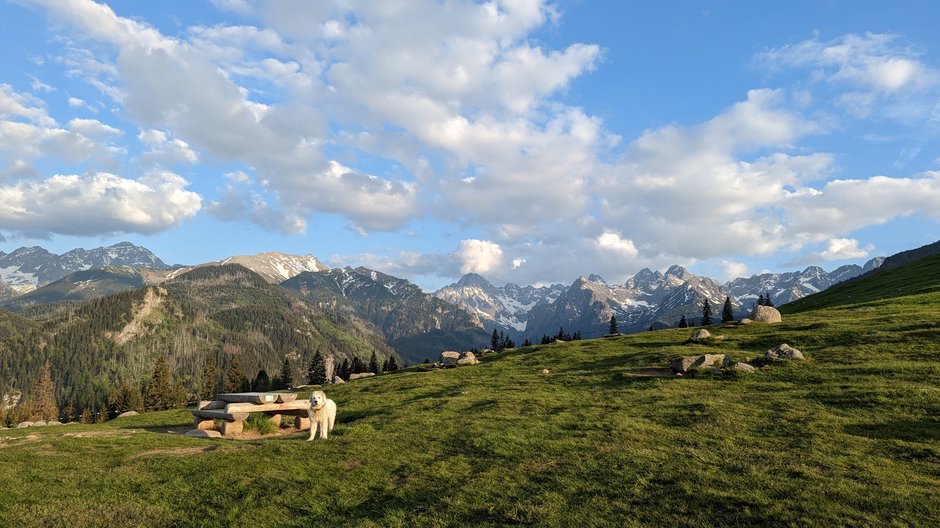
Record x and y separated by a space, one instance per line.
701 335
360 375
468 358
784 351
683 364
449 358
127 414
766 314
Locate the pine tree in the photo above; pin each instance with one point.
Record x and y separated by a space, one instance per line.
526 343
373 364
317 371
562 336
210 378
87 417
235 379
392 364
262 382
727 315
494 341
356 367
760 300
683 323
158 395
768 301
285 379
68 414
44 404
345 369
706 313
613 325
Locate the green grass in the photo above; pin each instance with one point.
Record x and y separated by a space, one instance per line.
850 437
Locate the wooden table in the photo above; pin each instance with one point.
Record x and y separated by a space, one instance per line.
234 408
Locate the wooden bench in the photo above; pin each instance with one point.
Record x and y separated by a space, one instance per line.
233 409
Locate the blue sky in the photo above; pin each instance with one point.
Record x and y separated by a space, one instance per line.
527 141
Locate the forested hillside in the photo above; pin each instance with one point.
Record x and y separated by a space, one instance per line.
209 315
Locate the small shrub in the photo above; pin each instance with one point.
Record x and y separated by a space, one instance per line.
259 422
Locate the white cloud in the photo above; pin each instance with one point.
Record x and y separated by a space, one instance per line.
843 249
518 262
19 105
733 269
93 128
165 151
75 102
614 242
96 204
479 256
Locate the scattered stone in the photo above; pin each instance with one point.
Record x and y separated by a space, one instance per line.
745 321
39 423
486 351
449 358
23 425
337 380
701 335
467 358
360 375
744 367
127 414
766 314
683 363
784 351
546 371
54 422
203 433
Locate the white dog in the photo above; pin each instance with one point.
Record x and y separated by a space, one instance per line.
322 414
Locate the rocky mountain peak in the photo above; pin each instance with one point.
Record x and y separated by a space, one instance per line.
475 280
596 278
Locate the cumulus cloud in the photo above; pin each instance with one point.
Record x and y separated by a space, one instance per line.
614 242
93 128
165 151
479 256
733 269
97 203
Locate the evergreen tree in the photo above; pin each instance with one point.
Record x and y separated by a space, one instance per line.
426 361
373 364
159 395
385 365
345 369
210 378
576 336
760 300
392 364
262 382
235 379
526 343
317 371
44 404
285 379
706 313
545 339
494 341
683 323
726 312
357 366
87 417
767 300
562 336
613 325
68 414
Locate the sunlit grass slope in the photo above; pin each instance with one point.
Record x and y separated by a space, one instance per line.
851 437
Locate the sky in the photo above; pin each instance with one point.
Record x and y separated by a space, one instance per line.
525 140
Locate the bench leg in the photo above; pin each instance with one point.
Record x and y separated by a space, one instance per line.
232 428
302 423
204 425
274 419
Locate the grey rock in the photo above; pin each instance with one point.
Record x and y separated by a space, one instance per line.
766 314
784 351
684 363
39 423
53 422
360 375
745 321
701 335
337 380
126 414
744 367
449 358
23 425
203 433
467 358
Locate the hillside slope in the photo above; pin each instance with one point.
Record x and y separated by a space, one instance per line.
917 276
847 438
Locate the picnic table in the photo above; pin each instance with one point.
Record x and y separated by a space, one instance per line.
233 409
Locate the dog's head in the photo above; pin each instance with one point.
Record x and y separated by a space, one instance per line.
317 399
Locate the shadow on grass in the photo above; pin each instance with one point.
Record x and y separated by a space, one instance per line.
924 431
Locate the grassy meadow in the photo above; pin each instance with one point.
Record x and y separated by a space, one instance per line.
850 437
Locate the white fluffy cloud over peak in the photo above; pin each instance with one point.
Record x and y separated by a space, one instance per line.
479 256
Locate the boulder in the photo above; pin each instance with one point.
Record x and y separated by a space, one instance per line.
127 414
337 380
682 364
39 423
486 351
765 314
360 375
203 433
745 321
467 358
546 371
744 367
23 425
449 358
53 422
784 351
701 335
